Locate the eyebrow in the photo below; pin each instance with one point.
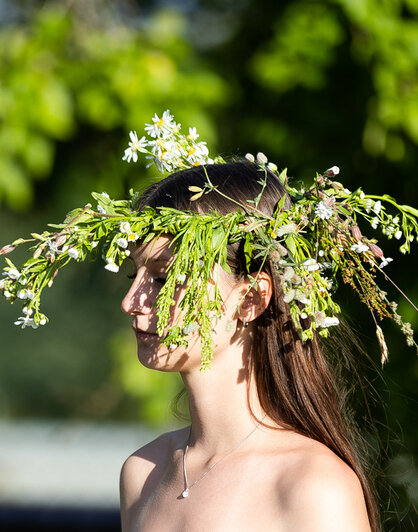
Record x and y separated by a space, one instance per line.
164 257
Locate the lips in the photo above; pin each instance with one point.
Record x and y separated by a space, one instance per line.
143 334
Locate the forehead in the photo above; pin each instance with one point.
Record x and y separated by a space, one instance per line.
156 250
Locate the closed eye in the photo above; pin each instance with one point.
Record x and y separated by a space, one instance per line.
131 276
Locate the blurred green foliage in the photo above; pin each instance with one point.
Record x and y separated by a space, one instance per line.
311 83
59 75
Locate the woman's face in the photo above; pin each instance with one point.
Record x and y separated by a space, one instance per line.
150 263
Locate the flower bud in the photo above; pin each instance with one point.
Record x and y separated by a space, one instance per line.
333 171
61 240
355 231
7 249
377 252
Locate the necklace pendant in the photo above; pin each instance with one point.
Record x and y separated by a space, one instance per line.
185 493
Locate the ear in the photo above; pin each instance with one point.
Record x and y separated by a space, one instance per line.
255 300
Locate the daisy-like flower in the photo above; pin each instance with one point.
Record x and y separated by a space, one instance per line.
359 247
323 211
161 126
193 134
125 227
73 253
122 243
132 237
385 262
136 145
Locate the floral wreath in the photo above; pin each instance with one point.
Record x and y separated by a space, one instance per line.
310 245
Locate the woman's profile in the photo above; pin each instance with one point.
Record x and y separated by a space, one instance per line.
234 283
266 448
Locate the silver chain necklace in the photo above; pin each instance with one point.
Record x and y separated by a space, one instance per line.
185 493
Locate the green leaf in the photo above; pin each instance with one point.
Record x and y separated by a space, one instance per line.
291 244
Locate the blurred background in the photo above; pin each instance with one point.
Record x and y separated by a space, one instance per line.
312 83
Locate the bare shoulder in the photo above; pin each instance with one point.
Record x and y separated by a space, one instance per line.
321 489
138 466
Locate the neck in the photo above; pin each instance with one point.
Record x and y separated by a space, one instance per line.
219 402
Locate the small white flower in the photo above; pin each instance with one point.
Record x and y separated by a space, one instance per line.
369 204
7 294
125 227
73 253
398 235
100 209
331 172
22 294
329 322
193 134
272 167
105 195
375 223
127 252
321 252
385 262
132 237
250 157
2 284
181 277
303 315
122 243
362 195
261 158
27 311
311 265
134 146
26 321
323 211
12 273
360 247
94 244
162 126
111 266
347 191
377 206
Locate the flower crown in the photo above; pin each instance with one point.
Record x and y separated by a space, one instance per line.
310 245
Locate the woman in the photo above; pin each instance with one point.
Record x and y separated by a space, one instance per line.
267 448
233 280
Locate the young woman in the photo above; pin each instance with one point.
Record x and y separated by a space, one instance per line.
267 447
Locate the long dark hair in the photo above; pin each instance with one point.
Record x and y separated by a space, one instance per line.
296 384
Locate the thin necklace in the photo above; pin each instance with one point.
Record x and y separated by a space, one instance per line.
185 493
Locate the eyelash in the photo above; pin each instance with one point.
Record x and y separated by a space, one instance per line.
160 280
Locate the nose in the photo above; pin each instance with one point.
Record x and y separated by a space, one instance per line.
139 298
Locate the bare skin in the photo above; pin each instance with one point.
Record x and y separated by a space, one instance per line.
276 480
